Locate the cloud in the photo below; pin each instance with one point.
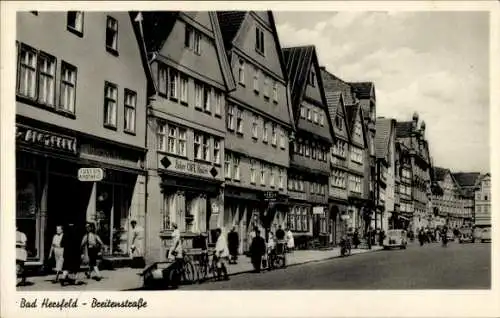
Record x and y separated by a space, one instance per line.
425 62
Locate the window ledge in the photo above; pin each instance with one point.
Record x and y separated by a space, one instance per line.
198 108
208 112
53 109
166 153
112 51
202 161
242 84
75 31
184 103
174 99
240 134
109 126
218 115
129 132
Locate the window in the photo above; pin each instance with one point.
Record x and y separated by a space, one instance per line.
182 141
307 149
264 132
315 118
184 89
188 36
46 79
255 130
68 87
217 151
162 136
275 91
309 115
162 80
266 87
230 117
130 104
259 41
282 139
314 150
252 171
227 165
207 96
357 129
75 22
321 119
173 89
219 99
239 121
312 78
274 135
282 179
303 112
206 148
198 139
256 76
110 102
262 174
338 122
172 139
271 176
357 155
197 43
27 72
112 35
198 96
241 72
236 171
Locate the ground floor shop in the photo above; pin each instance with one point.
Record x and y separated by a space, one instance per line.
192 204
49 192
338 220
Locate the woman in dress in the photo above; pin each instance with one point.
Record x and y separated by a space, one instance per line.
57 251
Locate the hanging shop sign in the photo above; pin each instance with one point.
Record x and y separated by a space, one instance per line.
90 174
270 196
47 140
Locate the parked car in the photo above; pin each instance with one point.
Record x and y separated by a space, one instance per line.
395 238
486 235
465 236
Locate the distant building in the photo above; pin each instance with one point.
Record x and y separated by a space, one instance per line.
468 182
482 212
412 137
82 87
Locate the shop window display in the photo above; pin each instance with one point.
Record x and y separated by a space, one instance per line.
27 188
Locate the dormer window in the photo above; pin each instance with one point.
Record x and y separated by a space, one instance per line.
259 41
312 78
338 122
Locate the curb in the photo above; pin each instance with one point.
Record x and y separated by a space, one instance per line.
305 262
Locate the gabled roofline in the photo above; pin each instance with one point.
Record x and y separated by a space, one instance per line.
138 32
221 53
341 102
363 126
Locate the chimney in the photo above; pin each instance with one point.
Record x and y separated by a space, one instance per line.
415 121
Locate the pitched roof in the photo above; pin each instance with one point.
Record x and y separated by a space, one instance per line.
466 179
333 100
352 111
362 89
439 173
157 27
298 62
382 135
403 129
332 83
230 22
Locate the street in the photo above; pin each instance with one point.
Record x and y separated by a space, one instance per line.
458 266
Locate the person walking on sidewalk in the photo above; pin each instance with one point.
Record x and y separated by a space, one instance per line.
136 245
92 245
290 241
71 255
257 250
355 239
221 254
234 243
57 251
21 255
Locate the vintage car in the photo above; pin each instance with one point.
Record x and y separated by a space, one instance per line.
486 235
395 238
465 236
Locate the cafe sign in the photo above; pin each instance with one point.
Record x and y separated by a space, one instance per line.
191 167
45 139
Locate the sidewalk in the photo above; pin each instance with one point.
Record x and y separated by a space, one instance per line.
128 278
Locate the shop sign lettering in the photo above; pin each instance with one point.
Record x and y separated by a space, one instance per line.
90 174
190 167
45 139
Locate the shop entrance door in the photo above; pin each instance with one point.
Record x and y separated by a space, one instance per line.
67 203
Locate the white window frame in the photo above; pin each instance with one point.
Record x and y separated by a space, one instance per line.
239 121
207 98
218 103
262 174
275 91
27 72
241 72
206 148
236 171
266 87
282 139
46 79
110 104
173 90
217 148
256 78
271 177
67 92
227 165
255 127
112 26
315 116
75 24
130 104
274 134
198 145
265 132
181 141
161 136
252 171
184 83
303 112
230 117
281 178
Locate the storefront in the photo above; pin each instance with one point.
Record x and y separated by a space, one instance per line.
192 198
300 218
338 224
49 192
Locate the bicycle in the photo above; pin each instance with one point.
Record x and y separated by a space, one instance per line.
208 267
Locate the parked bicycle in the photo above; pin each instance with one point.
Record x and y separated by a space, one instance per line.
207 267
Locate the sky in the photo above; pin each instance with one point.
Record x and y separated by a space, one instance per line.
433 63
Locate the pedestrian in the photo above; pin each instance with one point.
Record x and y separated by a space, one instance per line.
233 240
136 245
221 254
71 254
57 251
257 250
92 246
355 239
381 238
21 256
175 251
290 241
280 239
251 235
